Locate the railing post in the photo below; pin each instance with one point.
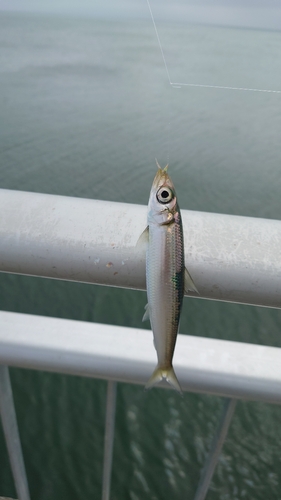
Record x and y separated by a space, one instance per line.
215 450
9 422
109 438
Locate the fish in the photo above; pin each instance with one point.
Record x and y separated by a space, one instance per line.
167 278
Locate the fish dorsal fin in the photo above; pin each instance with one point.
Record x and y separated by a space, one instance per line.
189 285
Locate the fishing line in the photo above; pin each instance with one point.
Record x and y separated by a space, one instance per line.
160 45
200 85
179 85
169 79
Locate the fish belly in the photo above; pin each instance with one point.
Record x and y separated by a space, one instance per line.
165 273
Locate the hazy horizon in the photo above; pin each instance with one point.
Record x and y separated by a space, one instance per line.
262 15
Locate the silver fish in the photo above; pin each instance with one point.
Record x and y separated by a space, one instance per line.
166 276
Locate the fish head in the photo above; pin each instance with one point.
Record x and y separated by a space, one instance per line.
162 201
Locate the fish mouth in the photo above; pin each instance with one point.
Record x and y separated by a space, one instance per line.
162 178
164 169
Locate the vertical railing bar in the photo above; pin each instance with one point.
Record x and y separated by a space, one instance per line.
109 438
215 449
11 433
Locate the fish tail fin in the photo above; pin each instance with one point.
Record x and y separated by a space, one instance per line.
167 374
173 380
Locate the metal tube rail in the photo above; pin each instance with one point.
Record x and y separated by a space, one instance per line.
230 369
109 438
216 447
11 433
230 258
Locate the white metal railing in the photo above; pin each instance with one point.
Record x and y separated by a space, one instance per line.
230 369
230 258
219 367
9 422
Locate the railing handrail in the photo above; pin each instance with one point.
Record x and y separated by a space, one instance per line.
230 258
220 367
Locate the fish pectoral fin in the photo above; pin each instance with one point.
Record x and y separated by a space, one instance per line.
143 239
167 374
189 285
146 314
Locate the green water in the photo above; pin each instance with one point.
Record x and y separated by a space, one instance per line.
85 109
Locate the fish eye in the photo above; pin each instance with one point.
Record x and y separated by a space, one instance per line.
164 195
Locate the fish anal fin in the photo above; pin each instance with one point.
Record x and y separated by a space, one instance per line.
189 285
146 314
167 374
